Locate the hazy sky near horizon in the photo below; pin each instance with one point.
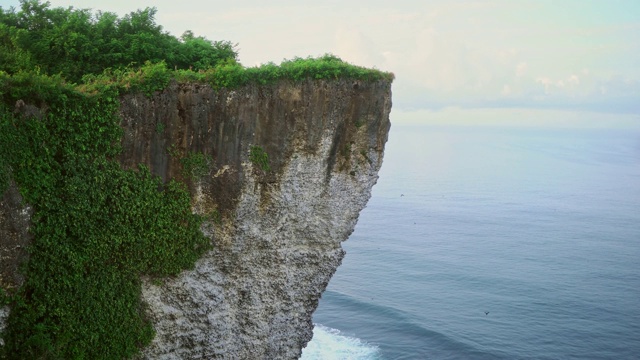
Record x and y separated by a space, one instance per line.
575 55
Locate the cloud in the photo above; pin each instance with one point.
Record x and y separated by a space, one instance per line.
574 80
546 83
521 69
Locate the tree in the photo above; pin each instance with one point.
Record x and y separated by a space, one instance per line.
75 42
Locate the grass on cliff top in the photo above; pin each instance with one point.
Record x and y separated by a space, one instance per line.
229 74
327 67
34 87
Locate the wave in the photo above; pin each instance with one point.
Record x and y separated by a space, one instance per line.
329 344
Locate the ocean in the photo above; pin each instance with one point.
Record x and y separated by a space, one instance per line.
492 242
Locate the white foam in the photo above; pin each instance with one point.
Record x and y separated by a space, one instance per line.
329 344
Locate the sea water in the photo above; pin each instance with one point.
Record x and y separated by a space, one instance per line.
492 243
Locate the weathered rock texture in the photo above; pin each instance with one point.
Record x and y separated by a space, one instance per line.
277 243
275 234
15 220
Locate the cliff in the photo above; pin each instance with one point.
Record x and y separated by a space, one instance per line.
280 172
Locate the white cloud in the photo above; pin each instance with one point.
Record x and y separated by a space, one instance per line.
574 80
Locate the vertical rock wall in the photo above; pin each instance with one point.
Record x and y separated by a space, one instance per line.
276 234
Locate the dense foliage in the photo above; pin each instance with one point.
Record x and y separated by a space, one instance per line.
153 77
75 42
232 74
97 227
81 47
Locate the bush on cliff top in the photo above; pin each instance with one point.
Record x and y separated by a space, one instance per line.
82 47
153 77
75 42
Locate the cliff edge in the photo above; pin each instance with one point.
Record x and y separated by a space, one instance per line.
276 233
280 172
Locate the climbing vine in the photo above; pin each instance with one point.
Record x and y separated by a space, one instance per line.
97 228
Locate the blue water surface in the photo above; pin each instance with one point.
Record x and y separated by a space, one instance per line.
538 227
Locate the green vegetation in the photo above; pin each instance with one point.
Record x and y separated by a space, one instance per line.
97 227
4 299
365 156
4 176
259 157
173 150
231 74
214 217
103 52
159 128
152 77
195 165
76 42
346 151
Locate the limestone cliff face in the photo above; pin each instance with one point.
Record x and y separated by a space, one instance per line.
276 233
277 241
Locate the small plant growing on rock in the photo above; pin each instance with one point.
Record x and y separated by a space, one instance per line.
214 217
365 156
173 150
195 165
160 128
259 157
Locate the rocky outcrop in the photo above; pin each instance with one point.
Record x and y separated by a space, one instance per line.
275 227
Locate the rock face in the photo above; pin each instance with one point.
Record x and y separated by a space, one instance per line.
276 229
15 220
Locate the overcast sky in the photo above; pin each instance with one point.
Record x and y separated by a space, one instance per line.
563 55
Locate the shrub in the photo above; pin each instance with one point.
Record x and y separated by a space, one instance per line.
195 165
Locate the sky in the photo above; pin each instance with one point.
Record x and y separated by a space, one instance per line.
499 58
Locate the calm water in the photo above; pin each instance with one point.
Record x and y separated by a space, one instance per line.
538 227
